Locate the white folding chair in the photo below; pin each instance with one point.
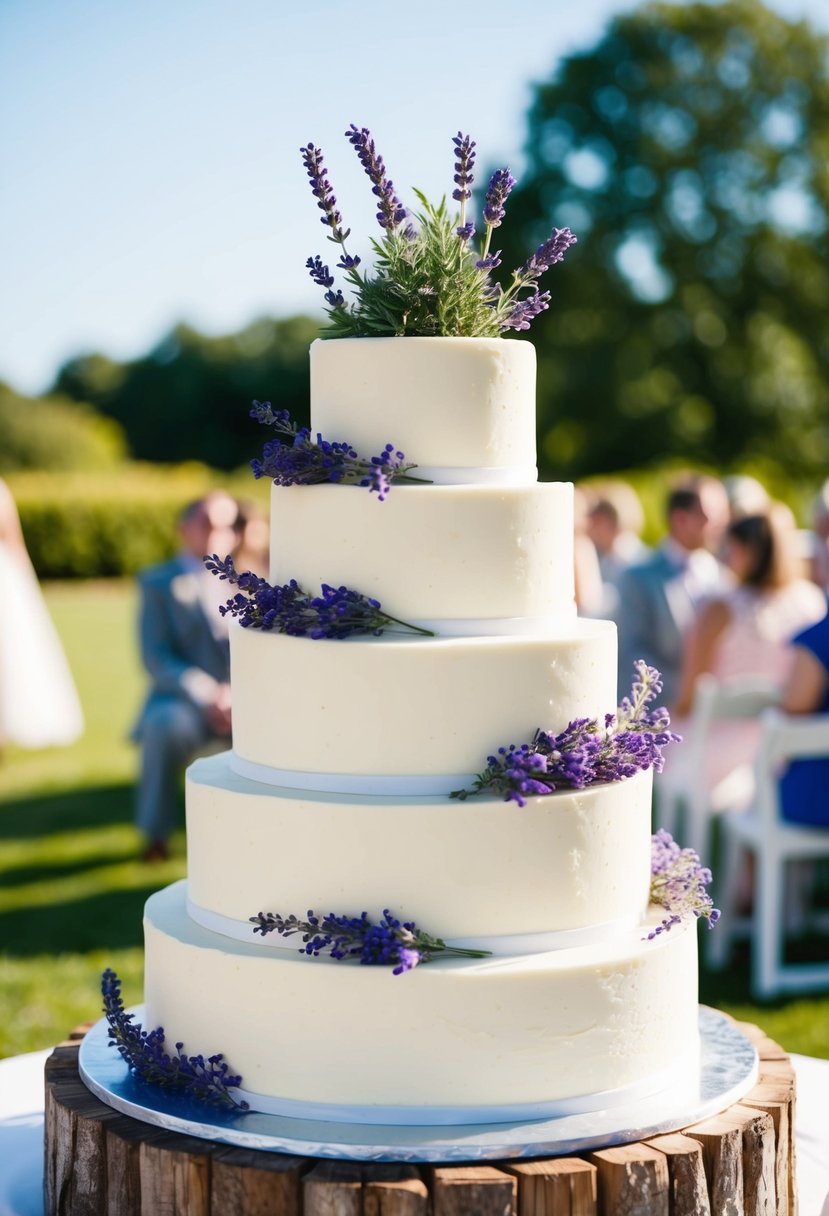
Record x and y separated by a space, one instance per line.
773 842
682 791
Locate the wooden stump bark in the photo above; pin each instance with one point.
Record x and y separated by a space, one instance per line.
101 1163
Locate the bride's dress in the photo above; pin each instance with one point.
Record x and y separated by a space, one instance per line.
39 706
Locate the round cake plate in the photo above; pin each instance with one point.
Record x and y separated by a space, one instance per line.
728 1069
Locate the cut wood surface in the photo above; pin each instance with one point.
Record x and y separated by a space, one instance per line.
99 1162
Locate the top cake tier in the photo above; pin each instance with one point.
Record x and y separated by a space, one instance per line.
462 409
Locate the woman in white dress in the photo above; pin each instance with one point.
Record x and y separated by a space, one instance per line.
39 706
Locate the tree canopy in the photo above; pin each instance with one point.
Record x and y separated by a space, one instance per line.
188 399
689 150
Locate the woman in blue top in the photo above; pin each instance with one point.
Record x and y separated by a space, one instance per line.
804 787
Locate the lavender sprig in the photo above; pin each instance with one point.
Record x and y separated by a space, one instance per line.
326 201
388 942
497 192
336 612
323 192
465 153
430 280
391 211
523 311
207 1080
586 752
306 461
678 883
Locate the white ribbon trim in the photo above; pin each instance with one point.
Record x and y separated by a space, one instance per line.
496 626
460 475
678 1076
420 785
499 945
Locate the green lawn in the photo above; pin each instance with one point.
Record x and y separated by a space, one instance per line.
72 888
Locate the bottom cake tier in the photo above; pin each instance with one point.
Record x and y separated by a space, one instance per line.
457 1040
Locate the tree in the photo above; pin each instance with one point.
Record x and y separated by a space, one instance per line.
689 150
55 433
189 398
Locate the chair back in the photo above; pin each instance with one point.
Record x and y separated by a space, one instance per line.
743 697
785 737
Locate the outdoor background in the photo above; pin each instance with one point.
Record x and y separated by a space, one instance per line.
156 220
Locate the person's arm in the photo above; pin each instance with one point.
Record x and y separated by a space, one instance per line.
805 687
11 532
700 649
170 670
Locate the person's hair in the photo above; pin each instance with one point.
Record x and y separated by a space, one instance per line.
684 497
620 503
772 562
189 512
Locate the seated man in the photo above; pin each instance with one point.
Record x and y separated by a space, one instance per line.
184 646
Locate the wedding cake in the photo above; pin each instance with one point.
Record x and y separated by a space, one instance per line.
336 793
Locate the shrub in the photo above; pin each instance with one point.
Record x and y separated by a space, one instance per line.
55 433
115 523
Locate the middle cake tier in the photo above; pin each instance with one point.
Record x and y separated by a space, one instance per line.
404 715
564 869
462 559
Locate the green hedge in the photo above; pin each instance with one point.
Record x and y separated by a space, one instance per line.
112 524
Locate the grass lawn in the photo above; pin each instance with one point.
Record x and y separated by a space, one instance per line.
72 888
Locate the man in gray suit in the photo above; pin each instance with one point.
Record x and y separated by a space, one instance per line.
658 598
185 650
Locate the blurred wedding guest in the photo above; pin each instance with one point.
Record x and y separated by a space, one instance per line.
746 631
614 522
804 786
39 706
820 538
658 597
184 645
251 552
746 495
588 576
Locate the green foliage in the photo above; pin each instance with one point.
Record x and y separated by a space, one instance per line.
687 149
55 433
112 525
424 287
188 399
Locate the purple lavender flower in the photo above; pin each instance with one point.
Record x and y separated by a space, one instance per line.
348 263
497 193
208 1080
547 254
466 231
678 883
337 612
389 942
465 152
523 311
491 262
322 191
391 211
305 461
586 752
319 272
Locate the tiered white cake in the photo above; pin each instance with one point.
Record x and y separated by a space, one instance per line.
335 795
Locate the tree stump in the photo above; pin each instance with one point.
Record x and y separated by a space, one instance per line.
101 1163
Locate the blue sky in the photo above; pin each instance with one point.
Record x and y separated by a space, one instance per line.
149 150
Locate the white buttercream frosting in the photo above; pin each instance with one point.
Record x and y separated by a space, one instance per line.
334 795
443 401
406 705
432 551
456 1032
483 867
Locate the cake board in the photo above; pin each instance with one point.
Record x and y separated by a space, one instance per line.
746 1148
